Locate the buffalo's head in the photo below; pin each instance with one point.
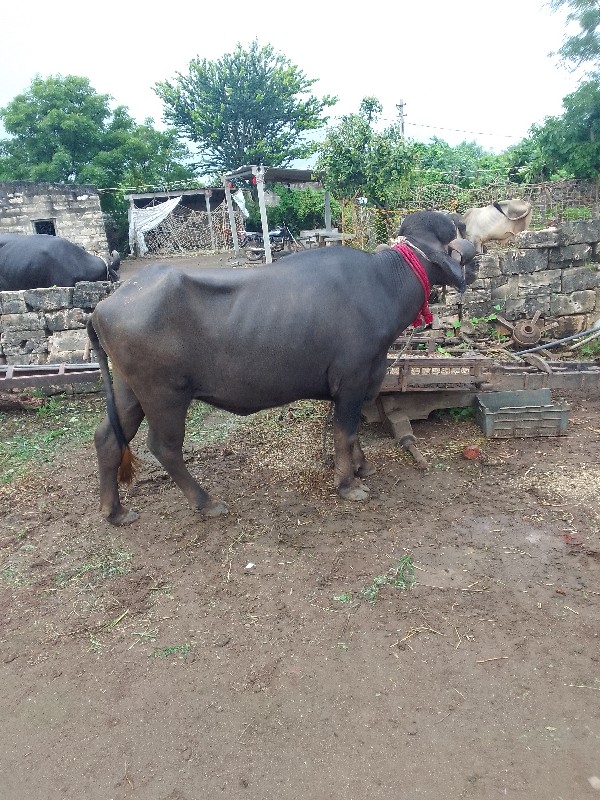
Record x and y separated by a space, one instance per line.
451 257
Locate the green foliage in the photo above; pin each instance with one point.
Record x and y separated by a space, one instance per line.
301 209
563 147
63 131
356 160
248 107
461 414
591 349
576 212
62 421
180 650
582 47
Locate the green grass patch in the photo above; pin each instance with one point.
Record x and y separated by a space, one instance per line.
27 436
180 650
101 566
207 425
401 576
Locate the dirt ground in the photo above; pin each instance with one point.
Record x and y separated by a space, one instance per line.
280 652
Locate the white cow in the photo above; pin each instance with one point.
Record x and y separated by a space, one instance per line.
498 222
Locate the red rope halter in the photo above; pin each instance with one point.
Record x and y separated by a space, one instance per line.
424 317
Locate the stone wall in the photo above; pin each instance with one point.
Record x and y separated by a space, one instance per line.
555 271
47 326
73 211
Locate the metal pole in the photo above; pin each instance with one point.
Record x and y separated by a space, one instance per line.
400 107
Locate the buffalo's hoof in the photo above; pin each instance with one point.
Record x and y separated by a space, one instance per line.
123 517
356 491
214 508
365 470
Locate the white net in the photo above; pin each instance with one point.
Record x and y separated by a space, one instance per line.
184 230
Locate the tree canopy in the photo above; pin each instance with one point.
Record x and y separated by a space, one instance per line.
567 146
583 47
62 130
249 107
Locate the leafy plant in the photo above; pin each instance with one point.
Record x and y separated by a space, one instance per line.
180 650
402 576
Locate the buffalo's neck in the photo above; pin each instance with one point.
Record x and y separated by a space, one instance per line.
407 291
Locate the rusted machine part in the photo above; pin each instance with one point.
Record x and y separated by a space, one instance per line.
525 332
537 361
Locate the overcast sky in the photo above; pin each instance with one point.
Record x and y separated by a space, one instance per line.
466 70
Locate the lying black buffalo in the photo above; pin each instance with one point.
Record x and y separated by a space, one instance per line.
38 260
318 325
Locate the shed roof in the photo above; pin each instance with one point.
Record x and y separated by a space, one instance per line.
276 174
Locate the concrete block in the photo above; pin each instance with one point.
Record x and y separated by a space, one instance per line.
30 321
570 254
523 261
88 294
576 279
582 231
12 303
548 237
50 299
66 319
575 303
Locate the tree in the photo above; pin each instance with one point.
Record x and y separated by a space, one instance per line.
249 107
583 47
63 131
567 146
356 160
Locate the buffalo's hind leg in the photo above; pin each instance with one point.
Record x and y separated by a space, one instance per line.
349 463
109 452
166 432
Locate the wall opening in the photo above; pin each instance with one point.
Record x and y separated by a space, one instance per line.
44 226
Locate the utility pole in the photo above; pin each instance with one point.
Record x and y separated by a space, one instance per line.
400 107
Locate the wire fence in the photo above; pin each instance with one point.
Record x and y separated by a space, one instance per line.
186 230
553 202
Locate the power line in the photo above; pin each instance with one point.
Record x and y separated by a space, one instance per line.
458 130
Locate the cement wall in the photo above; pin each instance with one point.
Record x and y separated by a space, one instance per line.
73 211
47 326
555 271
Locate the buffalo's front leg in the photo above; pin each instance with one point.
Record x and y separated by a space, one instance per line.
349 459
165 440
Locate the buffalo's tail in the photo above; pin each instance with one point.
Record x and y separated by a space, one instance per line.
128 463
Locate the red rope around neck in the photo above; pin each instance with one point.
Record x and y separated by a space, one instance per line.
424 317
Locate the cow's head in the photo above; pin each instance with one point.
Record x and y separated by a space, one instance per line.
451 256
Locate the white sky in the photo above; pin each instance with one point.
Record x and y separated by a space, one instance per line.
465 69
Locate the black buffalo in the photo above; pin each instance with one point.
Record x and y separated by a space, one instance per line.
318 325
37 261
